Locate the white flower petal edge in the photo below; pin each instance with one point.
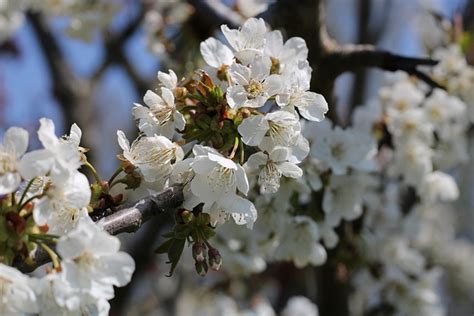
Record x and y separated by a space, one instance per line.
15 143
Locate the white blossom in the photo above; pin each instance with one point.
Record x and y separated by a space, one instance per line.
92 263
439 186
252 85
248 41
153 156
312 106
168 80
160 116
285 56
216 54
216 182
17 292
64 203
299 243
15 143
59 158
300 306
270 166
282 128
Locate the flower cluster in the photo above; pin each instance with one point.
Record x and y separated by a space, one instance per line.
44 205
422 135
237 119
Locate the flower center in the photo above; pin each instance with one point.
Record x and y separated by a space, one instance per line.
222 177
279 133
162 114
275 69
337 150
254 89
269 177
86 260
7 164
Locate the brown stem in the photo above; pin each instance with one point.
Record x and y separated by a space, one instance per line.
128 219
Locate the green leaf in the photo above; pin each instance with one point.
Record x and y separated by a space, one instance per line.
182 231
208 232
164 247
174 253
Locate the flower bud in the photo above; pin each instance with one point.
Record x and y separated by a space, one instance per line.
117 199
245 113
201 268
198 252
187 216
223 73
15 222
104 185
181 93
215 259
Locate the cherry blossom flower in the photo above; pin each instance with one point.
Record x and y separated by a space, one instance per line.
15 143
160 116
253 85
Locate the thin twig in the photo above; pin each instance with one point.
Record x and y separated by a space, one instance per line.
128 219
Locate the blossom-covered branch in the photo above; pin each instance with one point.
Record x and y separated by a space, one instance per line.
128 219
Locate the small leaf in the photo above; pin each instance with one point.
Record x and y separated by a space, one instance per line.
208 232
174 253
164 247
182 231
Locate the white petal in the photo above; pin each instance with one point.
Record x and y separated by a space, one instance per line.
279 153
9 182
291 170
236 96
273 43
179 120
242 210
152 99
168 80
35 163
206 192
232 36
167 96
253 129
242 181
260 67
47 134
312 106
215 53
222 161
75 134
295 49
255 161
283 99
300 150
16 140
42 211
77 191
119 267
273 85
202 165
240 74
123 141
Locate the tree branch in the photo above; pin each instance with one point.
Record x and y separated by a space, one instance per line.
128 219
72 94
355 57
214 13
65 85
